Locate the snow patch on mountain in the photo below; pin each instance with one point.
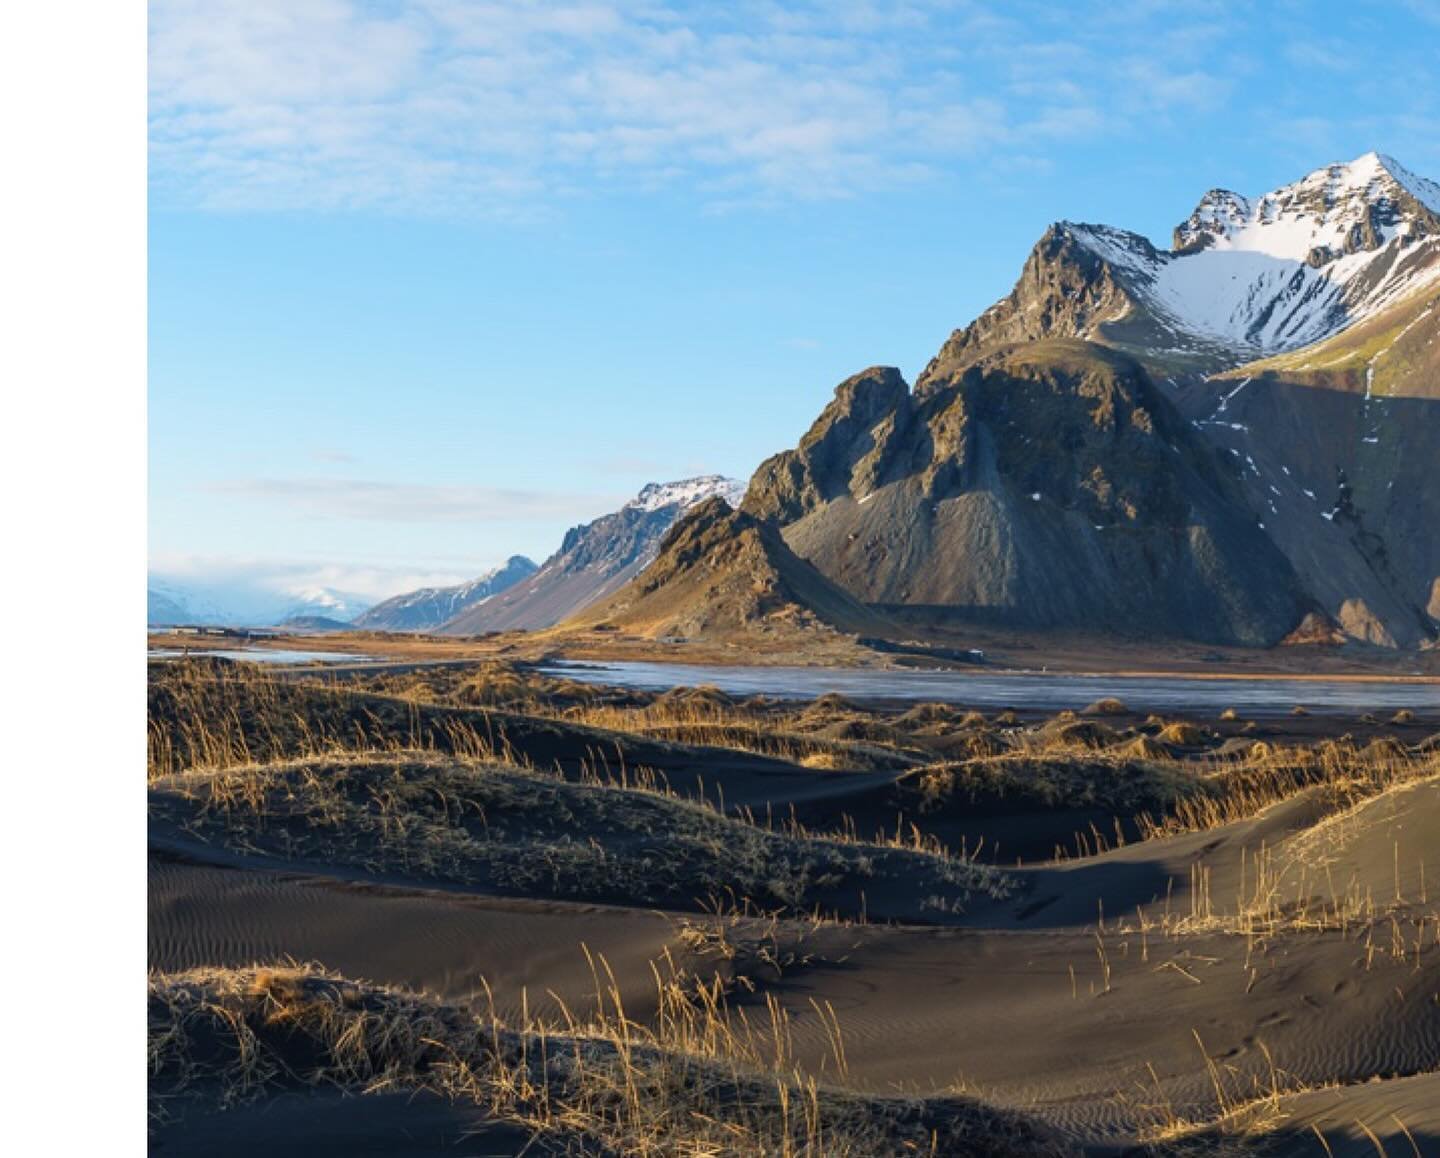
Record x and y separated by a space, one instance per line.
688 492
324 601
1274 273
1324 212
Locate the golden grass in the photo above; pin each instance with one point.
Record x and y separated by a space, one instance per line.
204 715
1054 776
702 1082
209 715
1339 775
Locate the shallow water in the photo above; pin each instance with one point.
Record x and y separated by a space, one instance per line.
1020 690
263 655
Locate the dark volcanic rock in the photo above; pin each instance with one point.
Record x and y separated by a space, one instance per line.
1048 485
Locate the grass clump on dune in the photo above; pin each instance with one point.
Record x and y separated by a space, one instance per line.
1337 775
698 1084
480 824
1115 781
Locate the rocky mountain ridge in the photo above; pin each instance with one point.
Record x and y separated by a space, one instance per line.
1046 485
1247 278
594 559
720 573
428 607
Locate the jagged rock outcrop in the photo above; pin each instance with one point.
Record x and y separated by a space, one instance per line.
1297 332
1211 442
1067 288
722 575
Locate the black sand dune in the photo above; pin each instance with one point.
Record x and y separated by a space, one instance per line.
456 946
299 1124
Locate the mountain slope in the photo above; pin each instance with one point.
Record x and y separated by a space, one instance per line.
1047 485
594 560
721 574
1338 446
429 607
1297 332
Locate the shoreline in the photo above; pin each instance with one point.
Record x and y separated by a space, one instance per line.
981 672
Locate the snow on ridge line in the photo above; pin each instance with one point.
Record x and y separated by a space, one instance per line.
687 492
1424 190
1273 274
1316 215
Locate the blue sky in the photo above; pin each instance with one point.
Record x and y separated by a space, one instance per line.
432 280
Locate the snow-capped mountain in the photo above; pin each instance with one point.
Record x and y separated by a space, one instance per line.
431 606
1339 210
1245 278
168 604
164 609
243 604
1202 441
595 559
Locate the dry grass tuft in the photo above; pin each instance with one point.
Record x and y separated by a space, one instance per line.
1110 780
1145 748
1338 775
1183 734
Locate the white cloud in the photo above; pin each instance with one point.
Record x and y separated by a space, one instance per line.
496 106
260 590
506 108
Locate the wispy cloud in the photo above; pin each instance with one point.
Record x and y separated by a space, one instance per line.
235 583
502 107
370 500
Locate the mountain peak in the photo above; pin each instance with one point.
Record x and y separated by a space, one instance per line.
721 573
1335 211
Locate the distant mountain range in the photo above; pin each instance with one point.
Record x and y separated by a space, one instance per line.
171 601
1212 442
594 559
429 607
